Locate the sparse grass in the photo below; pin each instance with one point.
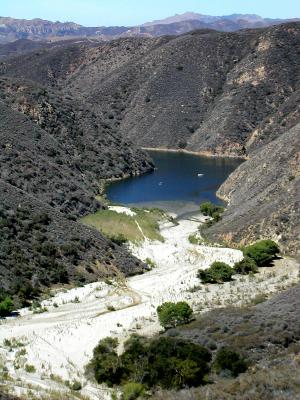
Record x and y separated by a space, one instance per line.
194 239
13 343
113 224
195 289
150 263
75 300
40 310
259 298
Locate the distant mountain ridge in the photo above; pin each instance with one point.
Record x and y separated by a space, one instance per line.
188 16
37 29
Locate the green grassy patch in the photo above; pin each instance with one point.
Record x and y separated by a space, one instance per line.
114 225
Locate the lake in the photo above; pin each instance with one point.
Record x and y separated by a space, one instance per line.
179 184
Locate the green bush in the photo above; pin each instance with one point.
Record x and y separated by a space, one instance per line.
262 252
209 209
228 360
213 211
132 391
30 368
166 362
119 239
171 315
194 239
218 272
6 306
245 267
106 363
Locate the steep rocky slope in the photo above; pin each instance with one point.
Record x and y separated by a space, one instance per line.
40 247
216 93
54 152
264 196
44 187
63 163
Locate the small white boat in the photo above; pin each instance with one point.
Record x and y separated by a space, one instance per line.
200 175
160 183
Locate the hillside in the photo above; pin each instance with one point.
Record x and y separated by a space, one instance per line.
264 196
54 155
158 93
41 247
266 334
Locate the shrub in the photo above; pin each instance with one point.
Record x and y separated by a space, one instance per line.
166 362
132 391
218 272
6 307
228 360
30 368
106 363
246 266
119 239
209 209
150 263
212 210
171 315
76 386
262 252
175 363
193 239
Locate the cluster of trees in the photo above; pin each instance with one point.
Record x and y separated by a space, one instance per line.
257 255
166 362
211 210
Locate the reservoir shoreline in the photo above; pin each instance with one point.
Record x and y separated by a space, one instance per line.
196 153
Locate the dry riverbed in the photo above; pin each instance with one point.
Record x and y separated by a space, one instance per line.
59 341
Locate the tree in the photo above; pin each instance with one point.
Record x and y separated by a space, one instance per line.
175 363
213 211
6 306
164 361
210 209
134 358
228 360
218 272
262 252
246 266
106 362
171 315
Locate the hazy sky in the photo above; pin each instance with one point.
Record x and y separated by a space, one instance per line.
134 12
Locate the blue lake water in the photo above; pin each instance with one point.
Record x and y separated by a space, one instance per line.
175 185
